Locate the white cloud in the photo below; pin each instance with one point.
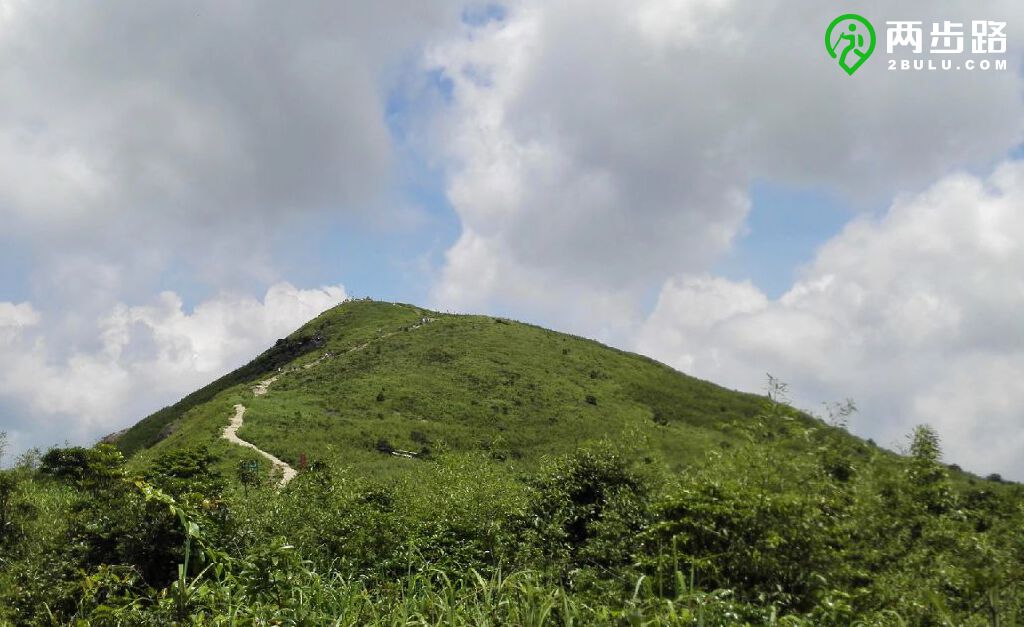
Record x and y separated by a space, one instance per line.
595 153
914 314
598 152
144 356
226 111
165 144
197 137
14 319
594 149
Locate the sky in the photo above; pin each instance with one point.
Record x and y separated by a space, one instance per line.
696 180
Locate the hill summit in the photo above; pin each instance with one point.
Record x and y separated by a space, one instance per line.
368 381
386 464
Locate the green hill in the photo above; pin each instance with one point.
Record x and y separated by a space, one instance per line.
467 470
369 376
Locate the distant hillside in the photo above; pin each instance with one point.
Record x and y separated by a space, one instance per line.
366 378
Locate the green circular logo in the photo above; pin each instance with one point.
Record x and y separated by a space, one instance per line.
850 40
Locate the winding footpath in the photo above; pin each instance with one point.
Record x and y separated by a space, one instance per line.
231 435
231 431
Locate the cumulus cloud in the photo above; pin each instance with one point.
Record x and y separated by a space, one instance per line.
598 153
172 144
196 135
598 156
914 314
14 319
146 356
595 148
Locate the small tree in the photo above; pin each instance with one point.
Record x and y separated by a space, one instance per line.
29 460
249 473
838 454
927 476
3 446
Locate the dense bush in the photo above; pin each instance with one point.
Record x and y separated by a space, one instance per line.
95 468
586 514
754 535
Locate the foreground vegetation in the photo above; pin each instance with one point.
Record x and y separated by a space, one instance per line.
600 536
543 479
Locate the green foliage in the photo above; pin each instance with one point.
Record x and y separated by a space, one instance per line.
926 474
95 467
566 484
758 536
465 383
767 548
8 485
584 512
180 472
153 428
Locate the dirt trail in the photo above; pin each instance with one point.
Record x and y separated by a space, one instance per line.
263 386
260 389
231 435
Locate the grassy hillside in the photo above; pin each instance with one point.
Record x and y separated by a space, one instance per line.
366 374
541 479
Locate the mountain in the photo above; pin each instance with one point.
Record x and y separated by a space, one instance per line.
386 464
366 379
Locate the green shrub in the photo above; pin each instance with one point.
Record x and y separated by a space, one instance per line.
586 512
94 467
